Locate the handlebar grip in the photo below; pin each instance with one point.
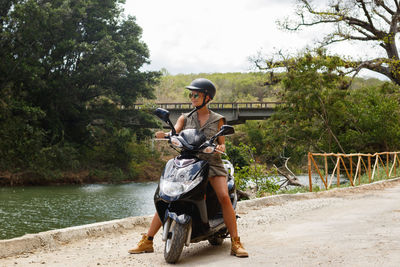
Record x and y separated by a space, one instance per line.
221 152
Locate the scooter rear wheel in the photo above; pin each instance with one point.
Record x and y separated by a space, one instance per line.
218 238
176 239
215 241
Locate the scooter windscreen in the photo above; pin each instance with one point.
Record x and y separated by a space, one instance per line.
190 139
181 176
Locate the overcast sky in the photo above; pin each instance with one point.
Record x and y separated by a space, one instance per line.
187 36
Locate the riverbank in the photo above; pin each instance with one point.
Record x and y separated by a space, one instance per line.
94 176
77 245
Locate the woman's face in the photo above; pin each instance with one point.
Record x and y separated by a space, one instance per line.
196 98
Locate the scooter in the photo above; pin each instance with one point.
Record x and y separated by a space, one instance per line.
185 202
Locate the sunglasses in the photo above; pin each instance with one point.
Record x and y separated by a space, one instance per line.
194 95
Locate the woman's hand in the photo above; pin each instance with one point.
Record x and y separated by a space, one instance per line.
220 148
160 134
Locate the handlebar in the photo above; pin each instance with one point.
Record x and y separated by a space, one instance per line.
220 151
213 145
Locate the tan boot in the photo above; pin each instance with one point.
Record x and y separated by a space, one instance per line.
144 246
237 248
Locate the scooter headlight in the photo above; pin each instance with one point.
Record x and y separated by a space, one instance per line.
175 188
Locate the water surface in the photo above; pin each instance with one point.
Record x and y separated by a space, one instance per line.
40 208
35 209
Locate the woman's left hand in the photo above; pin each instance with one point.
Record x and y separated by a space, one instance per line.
220 148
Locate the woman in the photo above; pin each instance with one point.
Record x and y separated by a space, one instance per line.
203 119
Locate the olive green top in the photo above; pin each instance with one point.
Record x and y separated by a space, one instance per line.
210 128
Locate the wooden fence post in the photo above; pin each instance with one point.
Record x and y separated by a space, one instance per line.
387 164
309 171
369 168
338 172
351 166
326 169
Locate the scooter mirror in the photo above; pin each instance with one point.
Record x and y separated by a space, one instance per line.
162 114
227 130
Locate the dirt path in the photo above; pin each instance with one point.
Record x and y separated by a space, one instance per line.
357 228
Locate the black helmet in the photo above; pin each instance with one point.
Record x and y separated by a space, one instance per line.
204 86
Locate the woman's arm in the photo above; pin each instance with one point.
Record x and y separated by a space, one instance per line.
179 124
221 139
178 127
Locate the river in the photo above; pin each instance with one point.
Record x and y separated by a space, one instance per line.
35 209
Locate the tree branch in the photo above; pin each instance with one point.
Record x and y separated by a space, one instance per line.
366 13
382 4
397 4
291 179
381 16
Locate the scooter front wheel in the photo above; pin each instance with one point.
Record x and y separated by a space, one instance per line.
175 241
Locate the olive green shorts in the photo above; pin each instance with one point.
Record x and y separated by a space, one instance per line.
217 170
216 165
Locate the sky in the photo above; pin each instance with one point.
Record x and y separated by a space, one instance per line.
187 36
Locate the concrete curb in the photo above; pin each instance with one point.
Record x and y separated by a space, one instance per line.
55 238
283 198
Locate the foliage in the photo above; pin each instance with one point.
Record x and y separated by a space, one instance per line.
21 134
69 72
253 174
257 176
373 117
237 155
231 87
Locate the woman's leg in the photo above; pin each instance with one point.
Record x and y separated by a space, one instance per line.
146 244
154 226
221 189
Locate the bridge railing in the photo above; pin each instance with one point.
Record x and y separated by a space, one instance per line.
216 105
372 165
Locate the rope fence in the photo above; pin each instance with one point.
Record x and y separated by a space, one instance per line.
369 164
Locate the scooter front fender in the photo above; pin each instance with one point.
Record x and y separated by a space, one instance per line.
181 219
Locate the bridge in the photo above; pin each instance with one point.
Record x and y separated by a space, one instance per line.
235 113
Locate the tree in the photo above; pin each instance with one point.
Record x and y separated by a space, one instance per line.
63 56
76 64
369 21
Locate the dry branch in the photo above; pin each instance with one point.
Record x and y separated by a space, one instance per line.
291 179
